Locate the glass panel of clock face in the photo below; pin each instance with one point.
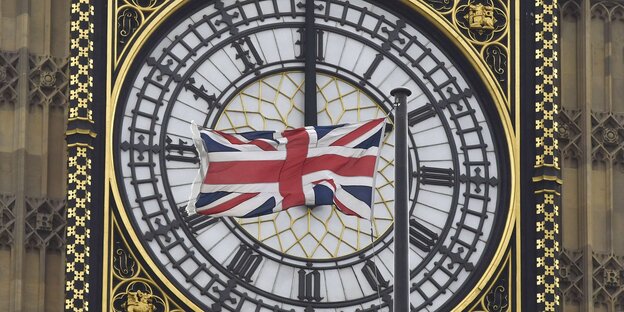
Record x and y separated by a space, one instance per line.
240 66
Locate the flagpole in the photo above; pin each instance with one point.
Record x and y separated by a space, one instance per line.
401 201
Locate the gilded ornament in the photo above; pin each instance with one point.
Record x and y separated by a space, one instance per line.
481 17
139 296
139 301
498 299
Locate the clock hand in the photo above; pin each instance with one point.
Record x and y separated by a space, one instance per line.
310 53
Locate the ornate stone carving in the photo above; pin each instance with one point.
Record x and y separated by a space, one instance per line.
7 219
607 136
607 276
45 223
8 83
571 274
570 133
48 82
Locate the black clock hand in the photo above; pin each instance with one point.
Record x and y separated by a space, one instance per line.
310 53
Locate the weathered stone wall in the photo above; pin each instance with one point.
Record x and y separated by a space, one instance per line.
592 143
34 46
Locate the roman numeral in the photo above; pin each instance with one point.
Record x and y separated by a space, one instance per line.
244 55
420 114
436 176
420 236
374 277
310 286
245 263
371 69
320 44
181 151
200 92
197 222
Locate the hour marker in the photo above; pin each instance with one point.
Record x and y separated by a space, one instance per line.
310 286
421 237
436 176
420 114
247 56
181 151
245 263
373 276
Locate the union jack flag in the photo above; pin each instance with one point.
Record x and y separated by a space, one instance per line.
257 173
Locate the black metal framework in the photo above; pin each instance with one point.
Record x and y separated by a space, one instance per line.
444 99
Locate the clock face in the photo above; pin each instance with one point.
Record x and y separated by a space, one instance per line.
241 66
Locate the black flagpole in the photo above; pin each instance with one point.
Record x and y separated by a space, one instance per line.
401 212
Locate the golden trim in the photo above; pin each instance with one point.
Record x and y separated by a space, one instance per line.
495 91
547 178
81 119
516 86
81 131
547 192
112 99
507 262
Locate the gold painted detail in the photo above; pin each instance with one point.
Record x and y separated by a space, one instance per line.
481 17
133 289
78 233
548 249
497 297
131 16
484 24
274 102
547 175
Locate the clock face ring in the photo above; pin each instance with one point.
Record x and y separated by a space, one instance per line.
457 199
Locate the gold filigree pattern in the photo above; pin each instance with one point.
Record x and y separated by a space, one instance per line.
484 24
497 297
547 174
131 15
80 152
133 289
322 232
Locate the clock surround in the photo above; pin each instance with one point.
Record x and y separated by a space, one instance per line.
499 108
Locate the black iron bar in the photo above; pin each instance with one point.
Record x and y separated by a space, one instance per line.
401 201
310 65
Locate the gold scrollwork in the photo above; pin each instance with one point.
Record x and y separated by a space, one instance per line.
124 264
133 290
131 15
484 24
497 296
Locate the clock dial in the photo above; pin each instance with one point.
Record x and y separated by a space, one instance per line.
241 66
